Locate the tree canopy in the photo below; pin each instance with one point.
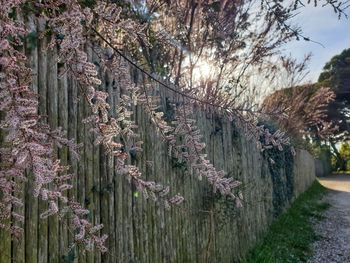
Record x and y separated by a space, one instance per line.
301 102
336 75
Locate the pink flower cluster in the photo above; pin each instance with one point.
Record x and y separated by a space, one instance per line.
107 128
29 143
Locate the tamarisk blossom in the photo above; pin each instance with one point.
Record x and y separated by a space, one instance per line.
191 149
196 161
245 118
29 143
20 106
132 95
201 166
262 136
108 129
306 108
110 24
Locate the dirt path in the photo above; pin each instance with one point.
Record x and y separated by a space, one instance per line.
334 230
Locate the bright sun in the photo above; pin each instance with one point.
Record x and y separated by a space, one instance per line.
202 70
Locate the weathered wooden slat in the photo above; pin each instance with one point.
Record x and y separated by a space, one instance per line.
72 91
5 237
18 246
118 197
96 187
63 155
5 246
89 140
104 190
31 203
52 107
42 90
111 175
81 138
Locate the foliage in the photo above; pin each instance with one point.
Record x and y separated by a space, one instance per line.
282 183
344 152
336 74
338 65
224 210
306 111
318 116
323 152
222 207
290 237
70 256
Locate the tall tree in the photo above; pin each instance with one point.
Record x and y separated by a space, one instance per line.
336 74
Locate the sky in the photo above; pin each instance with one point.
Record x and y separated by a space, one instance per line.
320 24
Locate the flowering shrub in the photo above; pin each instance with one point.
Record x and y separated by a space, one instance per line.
306 109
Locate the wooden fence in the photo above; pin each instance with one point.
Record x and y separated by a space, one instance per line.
206 228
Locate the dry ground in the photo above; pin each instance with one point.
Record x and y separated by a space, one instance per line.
334 230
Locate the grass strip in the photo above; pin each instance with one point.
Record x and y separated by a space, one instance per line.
290 237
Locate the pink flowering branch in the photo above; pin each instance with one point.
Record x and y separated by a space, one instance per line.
227 106
191 149
29 143
306 110
108 129
221 102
